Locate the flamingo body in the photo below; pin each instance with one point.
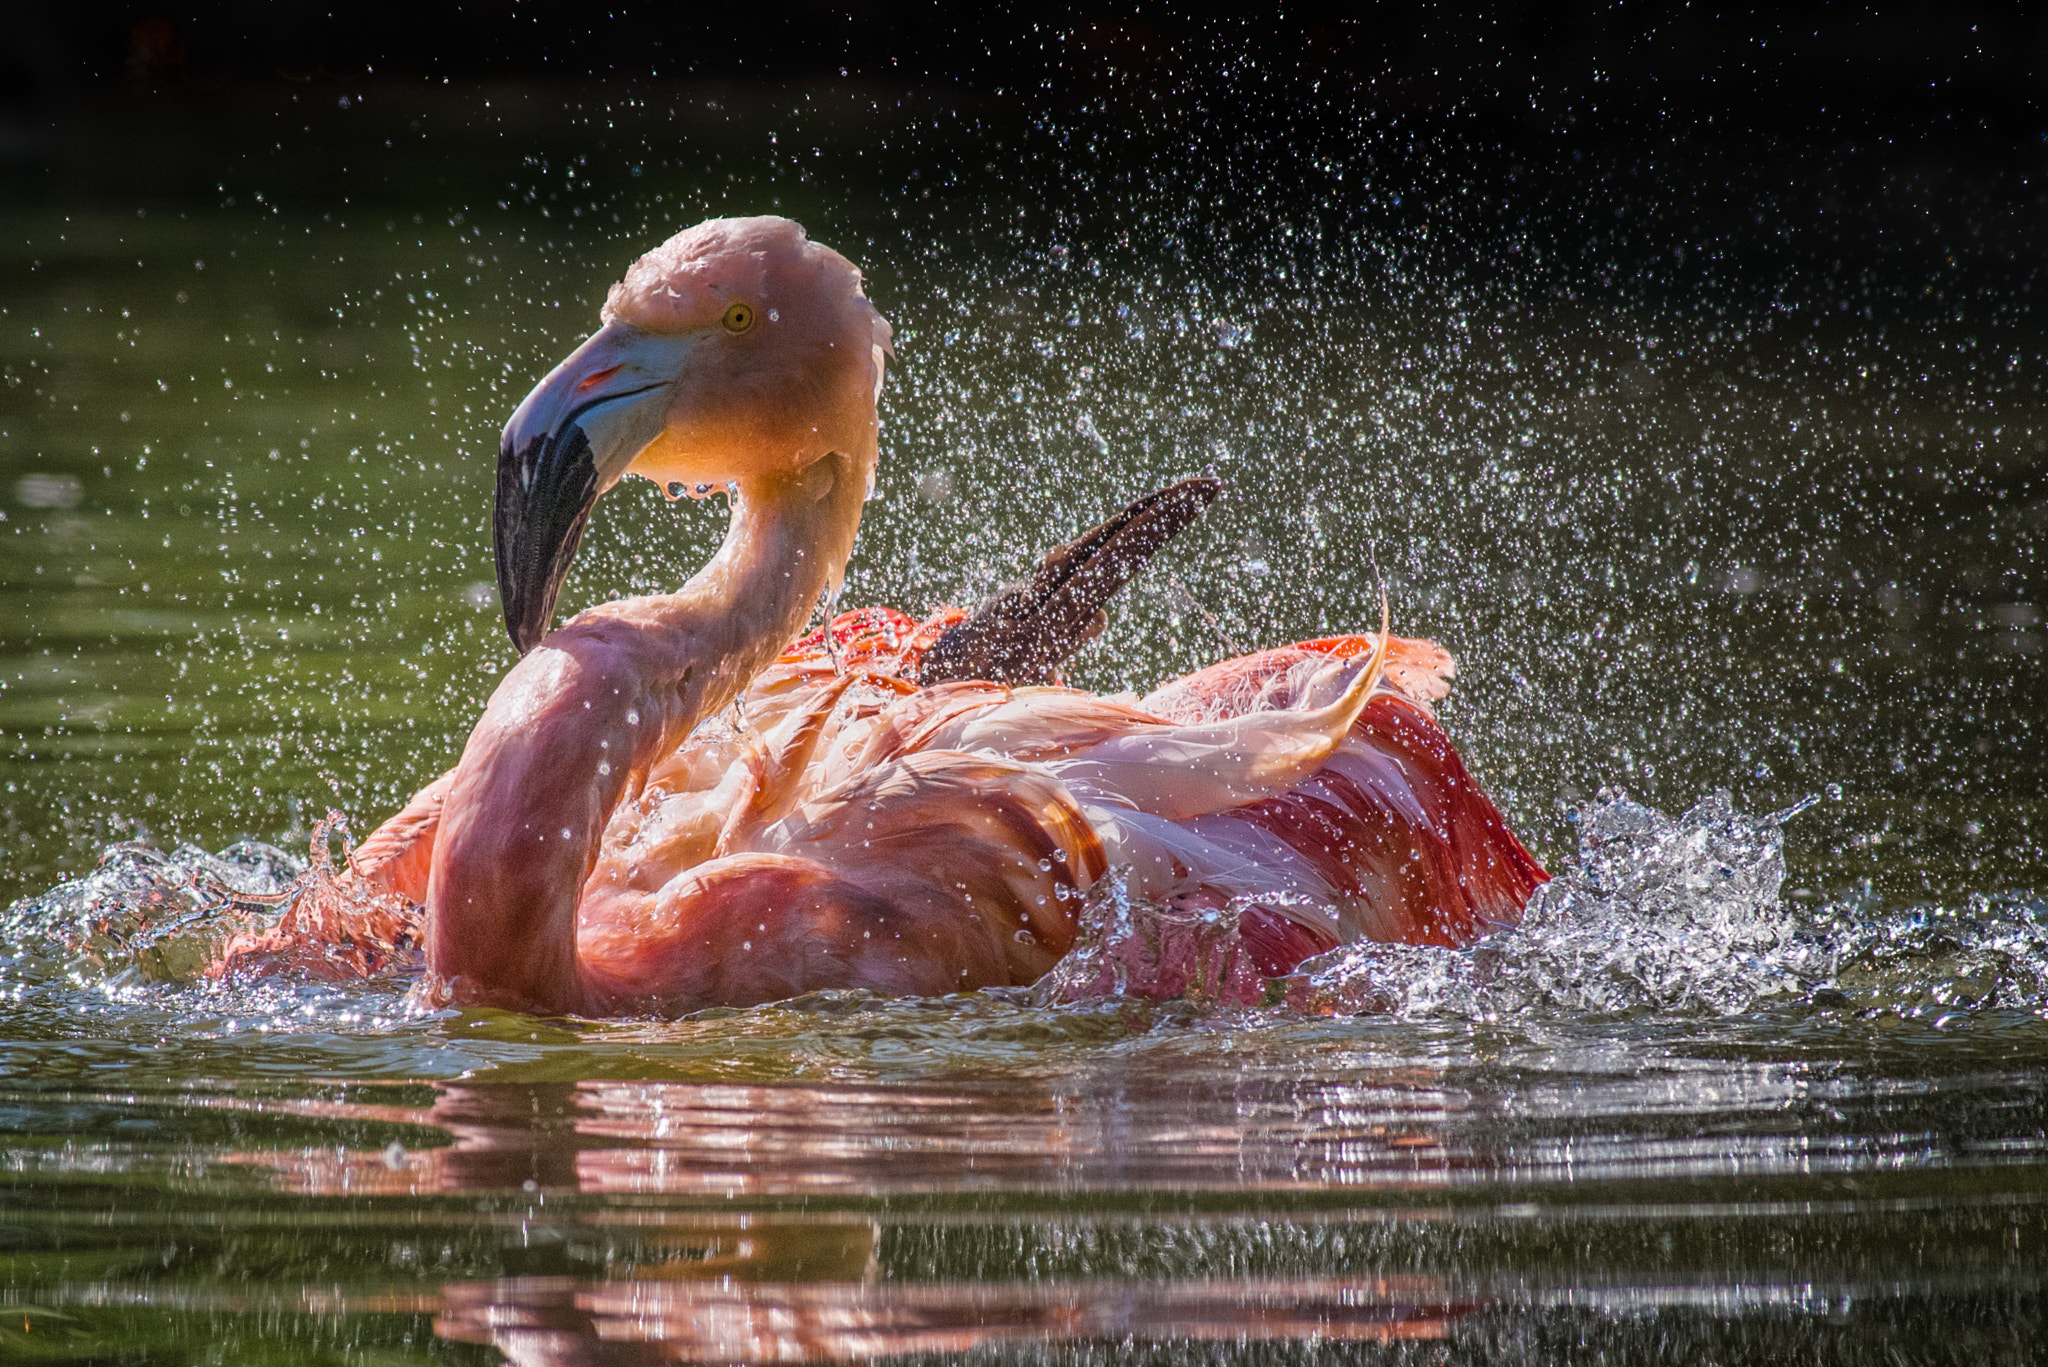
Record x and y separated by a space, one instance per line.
869 833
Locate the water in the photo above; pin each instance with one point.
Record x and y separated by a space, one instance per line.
1717 463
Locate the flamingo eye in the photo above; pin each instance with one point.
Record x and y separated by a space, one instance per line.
738 318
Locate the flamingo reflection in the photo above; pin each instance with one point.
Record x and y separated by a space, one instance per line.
620 1243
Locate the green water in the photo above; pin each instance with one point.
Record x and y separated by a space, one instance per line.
1714 470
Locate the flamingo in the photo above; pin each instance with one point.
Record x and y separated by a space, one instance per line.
675 801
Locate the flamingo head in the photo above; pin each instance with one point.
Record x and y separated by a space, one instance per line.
737 351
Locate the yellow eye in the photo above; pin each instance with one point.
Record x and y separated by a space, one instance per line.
738 318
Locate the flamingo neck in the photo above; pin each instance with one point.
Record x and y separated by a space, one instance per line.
589 711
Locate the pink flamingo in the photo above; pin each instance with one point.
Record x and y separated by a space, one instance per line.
615 839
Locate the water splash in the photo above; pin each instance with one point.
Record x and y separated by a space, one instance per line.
1990 954
146 916
1659 916
1127 947
1674 915
1682 916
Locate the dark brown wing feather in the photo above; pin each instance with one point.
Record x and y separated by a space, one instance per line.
1023 634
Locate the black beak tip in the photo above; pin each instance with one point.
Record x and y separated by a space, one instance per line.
525 633
545 493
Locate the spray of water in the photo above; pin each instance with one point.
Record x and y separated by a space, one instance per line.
1128 947
1676 915
1660 916
146 916
1668 916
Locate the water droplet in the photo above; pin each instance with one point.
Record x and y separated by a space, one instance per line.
1834 792
1025 937
565 833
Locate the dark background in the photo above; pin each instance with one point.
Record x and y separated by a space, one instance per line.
1933 59
1974 71
1824 134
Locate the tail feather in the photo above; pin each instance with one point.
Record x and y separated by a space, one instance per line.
1024 634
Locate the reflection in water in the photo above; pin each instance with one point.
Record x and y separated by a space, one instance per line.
557 1323
1259 1189
681 1285
1427 1132
1130 1131
1148 1200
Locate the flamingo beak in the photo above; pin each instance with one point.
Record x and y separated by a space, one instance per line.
568 442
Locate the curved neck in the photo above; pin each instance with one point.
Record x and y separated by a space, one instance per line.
589 711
